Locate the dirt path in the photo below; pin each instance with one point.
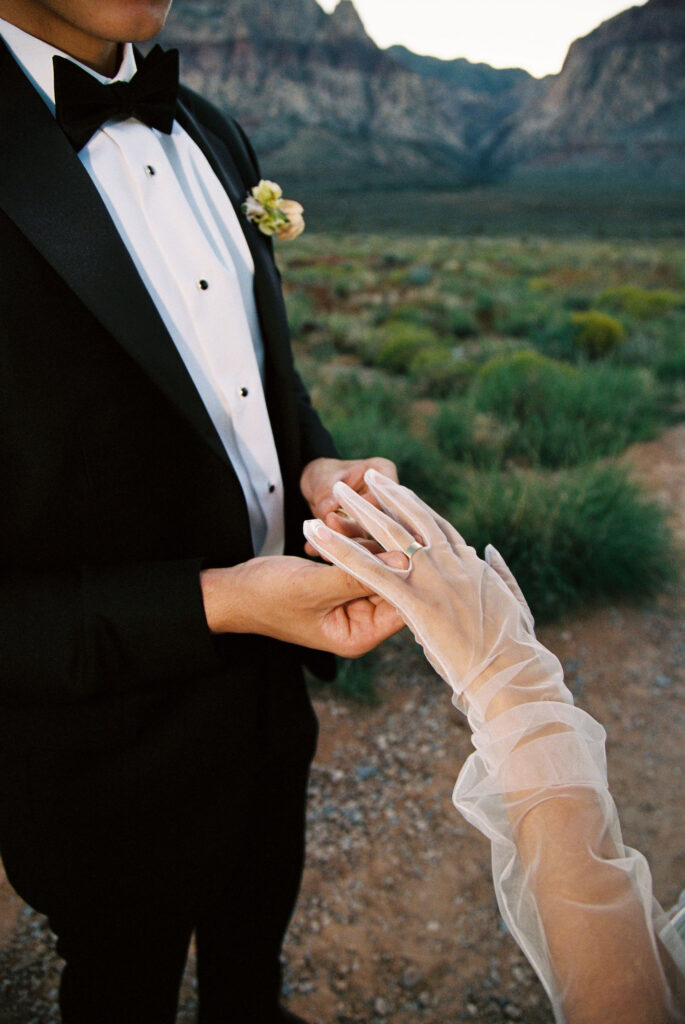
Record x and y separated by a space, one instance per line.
397 922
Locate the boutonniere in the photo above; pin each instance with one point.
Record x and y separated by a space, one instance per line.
273 215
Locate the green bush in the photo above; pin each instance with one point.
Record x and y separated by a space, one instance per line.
373 419
438 373
486 308
641 303
402 344
461 323
547 413
598 333
465 436
672 366
420 275
409 313
520 385
351 394
356 679
350 335
583 535
301 315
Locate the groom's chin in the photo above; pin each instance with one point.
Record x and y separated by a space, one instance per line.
133 21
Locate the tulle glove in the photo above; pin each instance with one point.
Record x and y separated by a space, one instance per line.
578 902
470 617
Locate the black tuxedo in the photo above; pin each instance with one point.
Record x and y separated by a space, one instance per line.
139 756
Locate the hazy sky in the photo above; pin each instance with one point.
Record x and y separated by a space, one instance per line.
533 34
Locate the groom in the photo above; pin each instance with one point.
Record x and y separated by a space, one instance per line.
158 453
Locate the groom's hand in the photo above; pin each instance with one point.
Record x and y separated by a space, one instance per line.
317 482
300 602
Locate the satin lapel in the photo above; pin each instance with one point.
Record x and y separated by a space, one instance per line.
48 194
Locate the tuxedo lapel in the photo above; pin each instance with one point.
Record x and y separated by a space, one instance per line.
48 194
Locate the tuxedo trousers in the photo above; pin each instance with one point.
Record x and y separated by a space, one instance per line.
220 855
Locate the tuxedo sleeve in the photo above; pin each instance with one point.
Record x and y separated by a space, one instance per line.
67 636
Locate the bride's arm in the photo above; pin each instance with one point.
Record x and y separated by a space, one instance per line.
577 901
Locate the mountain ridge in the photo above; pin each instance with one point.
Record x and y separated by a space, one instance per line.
322 101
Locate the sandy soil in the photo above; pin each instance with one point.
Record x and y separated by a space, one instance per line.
397 920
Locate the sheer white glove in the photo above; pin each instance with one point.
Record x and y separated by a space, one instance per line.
470 617
578 902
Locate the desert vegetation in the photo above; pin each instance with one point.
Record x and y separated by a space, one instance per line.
506 377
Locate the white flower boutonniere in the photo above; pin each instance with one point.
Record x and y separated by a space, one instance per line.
274 215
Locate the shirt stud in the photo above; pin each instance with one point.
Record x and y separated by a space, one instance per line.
203 285
272 488
244 392
150 170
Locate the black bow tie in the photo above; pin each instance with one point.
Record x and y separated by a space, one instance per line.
82 104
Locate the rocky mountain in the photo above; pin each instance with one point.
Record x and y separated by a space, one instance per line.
618 103
323 103
318 96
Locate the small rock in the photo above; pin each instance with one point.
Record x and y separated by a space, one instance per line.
411 978
381 1006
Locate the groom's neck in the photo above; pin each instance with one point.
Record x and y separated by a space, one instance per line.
92 31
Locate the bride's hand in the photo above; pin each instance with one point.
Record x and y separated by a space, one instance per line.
468 614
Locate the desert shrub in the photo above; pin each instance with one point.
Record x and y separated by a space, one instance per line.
641 303
461 323
373 419
485 307
301 315
356 679
541 285
410 313
672 366
350 335
547 413
466 436
350 395
520 385
420 275
420 466
582 535
523 321
597 333
401 345
556 336
438 373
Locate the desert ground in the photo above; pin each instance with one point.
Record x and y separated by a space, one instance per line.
397 922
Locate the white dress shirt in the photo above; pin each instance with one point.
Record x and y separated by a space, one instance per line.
187 244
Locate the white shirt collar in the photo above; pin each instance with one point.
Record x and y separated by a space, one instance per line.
34 56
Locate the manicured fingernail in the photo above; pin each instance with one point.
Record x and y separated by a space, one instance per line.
340 488
316 529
